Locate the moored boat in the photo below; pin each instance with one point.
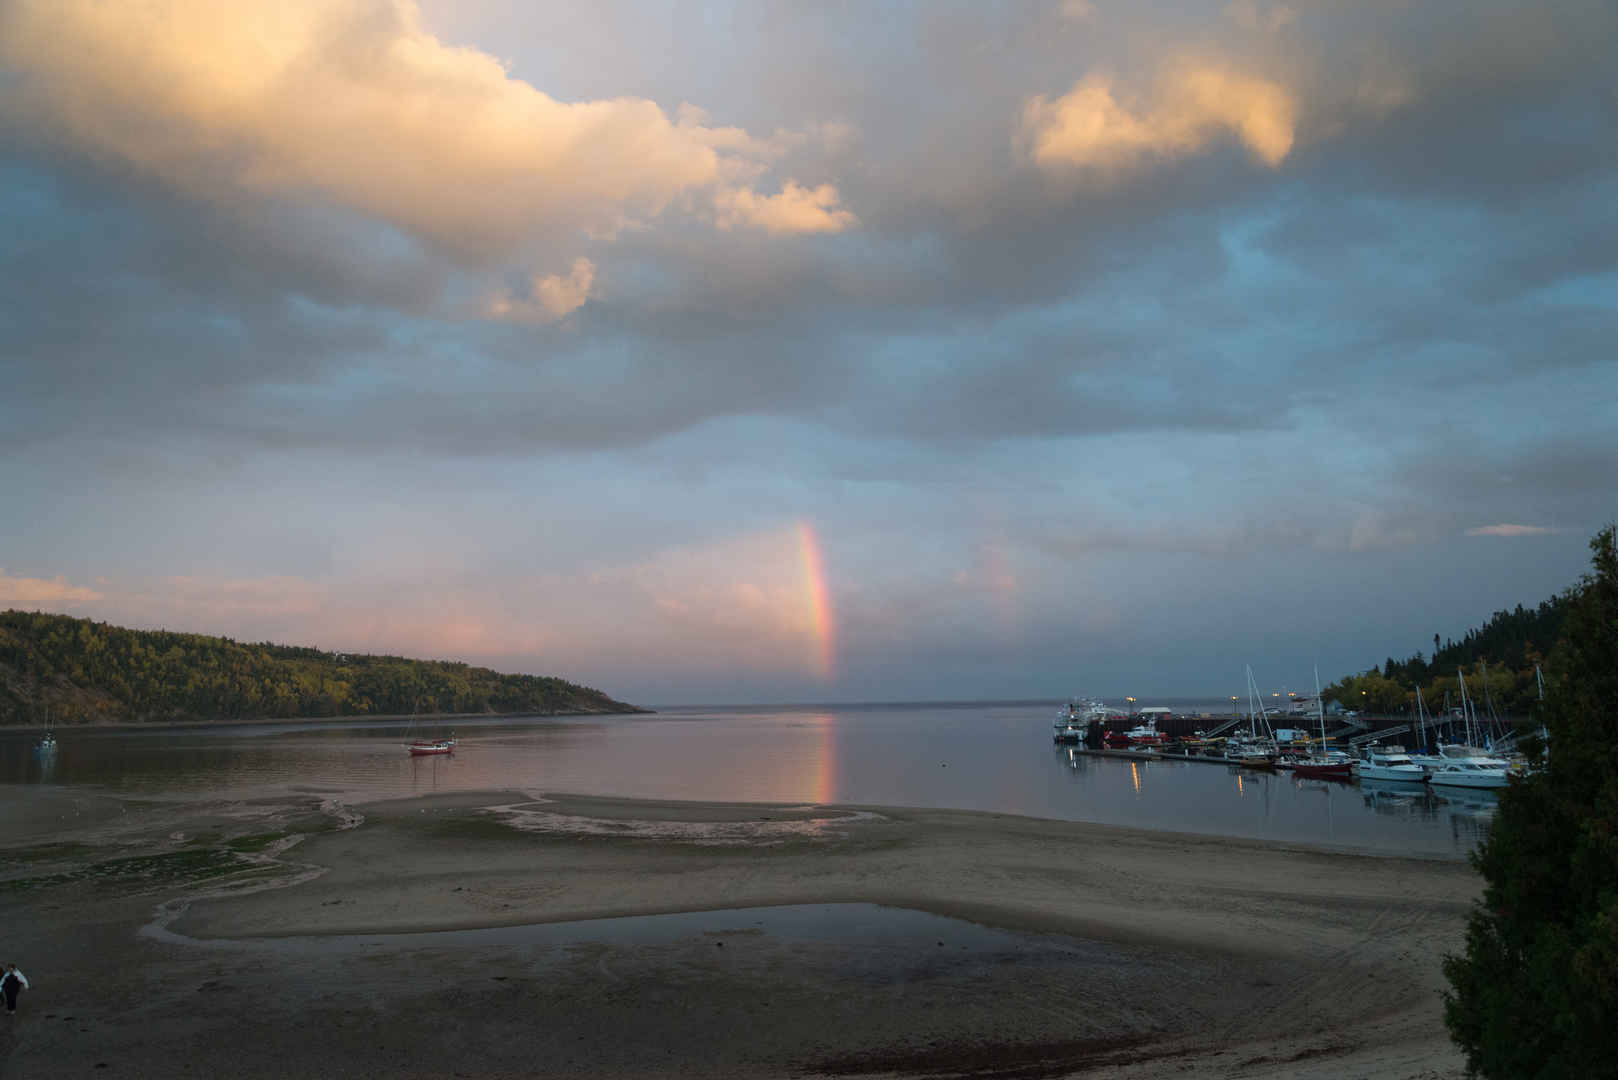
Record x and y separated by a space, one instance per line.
1073 719
1324 767
1327 763
1389 763
1142 735
1470 770
432 745
47 742
436 746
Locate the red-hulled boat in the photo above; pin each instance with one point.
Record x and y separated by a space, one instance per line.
420 747
436 746
1326 768
1143 735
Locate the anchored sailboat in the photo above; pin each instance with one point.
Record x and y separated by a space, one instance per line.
421 746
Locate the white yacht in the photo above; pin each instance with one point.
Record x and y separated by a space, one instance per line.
1389 763
1469 767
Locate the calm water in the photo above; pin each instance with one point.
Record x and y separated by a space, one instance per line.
994 757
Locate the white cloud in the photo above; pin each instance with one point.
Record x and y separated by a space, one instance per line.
37 591
553 297
795 210
356 102
1193 107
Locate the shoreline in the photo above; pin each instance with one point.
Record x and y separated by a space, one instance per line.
1236 957
167 725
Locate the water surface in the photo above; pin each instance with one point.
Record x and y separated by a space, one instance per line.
995 757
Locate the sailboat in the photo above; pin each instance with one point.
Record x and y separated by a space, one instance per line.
47 744
1323 764
423 746
1251 750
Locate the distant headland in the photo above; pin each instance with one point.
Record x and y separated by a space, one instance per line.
79 671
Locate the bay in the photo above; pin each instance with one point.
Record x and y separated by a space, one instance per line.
990 756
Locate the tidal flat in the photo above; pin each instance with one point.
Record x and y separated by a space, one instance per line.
513 934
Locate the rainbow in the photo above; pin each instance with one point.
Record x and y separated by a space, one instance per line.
817 599
823 774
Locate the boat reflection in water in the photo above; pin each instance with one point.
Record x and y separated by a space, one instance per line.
1467 813
1222 798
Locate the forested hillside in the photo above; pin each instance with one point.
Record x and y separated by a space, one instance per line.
1509 646
83 671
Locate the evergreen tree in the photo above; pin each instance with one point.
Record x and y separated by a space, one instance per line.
1535 994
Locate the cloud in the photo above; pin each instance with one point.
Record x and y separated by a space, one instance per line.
1077 10
1191 109
1246 14
553 297
795 210
1509 530
356 102
37 591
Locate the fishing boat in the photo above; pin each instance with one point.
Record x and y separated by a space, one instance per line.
1145 734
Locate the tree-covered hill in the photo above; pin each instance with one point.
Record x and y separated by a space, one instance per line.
84 671
1509 646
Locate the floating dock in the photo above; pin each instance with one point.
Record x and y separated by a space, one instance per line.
1150 755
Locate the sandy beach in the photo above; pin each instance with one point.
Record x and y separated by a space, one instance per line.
236 938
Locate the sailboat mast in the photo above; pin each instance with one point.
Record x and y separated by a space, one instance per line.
1466 705
1320 711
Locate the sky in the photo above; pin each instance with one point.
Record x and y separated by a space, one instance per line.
810 352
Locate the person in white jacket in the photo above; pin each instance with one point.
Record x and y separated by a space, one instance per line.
12 984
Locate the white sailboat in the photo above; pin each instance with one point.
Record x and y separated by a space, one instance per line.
47 743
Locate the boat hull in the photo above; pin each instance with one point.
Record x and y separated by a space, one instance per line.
1476 781
1410 774
427 749
1341 771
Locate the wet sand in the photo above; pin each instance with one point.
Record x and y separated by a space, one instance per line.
1130 953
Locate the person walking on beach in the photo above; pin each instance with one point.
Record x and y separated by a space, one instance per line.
11 985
